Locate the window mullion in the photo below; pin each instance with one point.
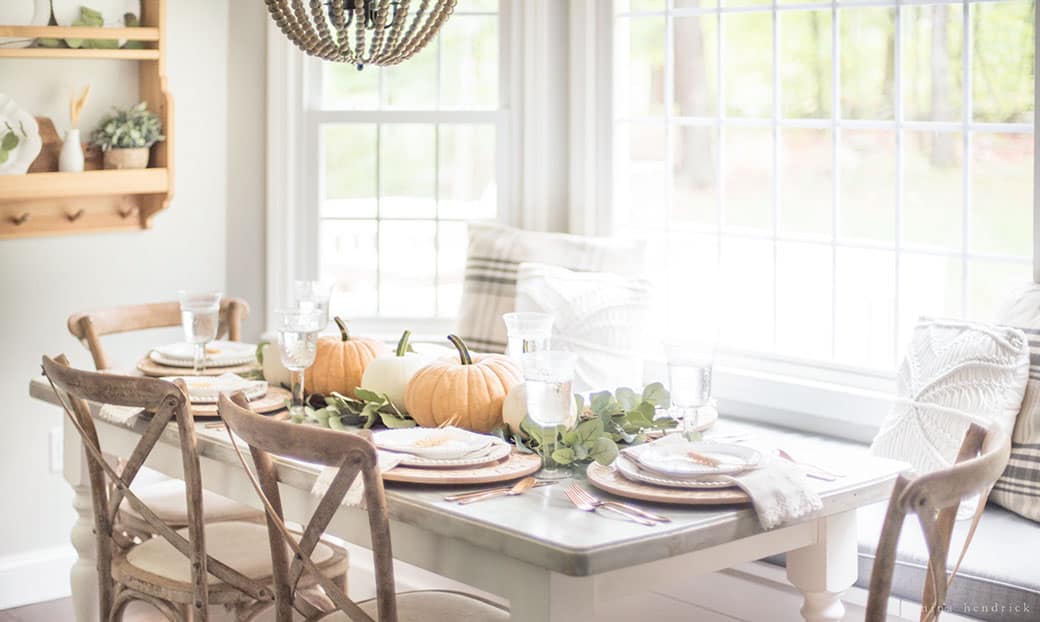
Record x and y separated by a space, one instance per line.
966 114
900 173
835 168
776 170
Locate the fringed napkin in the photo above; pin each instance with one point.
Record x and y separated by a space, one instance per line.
119 415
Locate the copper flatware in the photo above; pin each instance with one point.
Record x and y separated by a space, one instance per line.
518 488
587 503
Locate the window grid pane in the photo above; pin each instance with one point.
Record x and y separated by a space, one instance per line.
868 164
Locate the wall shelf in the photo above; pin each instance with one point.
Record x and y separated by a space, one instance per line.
56 203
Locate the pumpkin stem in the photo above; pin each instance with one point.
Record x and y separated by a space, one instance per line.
402 345
460 345
344 334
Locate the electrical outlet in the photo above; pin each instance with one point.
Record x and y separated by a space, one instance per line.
57 449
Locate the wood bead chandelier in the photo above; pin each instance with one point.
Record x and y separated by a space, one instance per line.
360 32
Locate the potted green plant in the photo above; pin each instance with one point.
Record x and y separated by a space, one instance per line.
125 136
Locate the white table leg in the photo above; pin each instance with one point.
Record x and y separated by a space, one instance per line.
83 577
545 596
825 570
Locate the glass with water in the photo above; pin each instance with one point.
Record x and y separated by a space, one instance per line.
297 345
689 380
548 386
527 332
313 296
200 318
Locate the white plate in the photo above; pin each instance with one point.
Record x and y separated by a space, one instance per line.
495 452
218 354
21 157
436 443
207 389
23 13
630 470
669 457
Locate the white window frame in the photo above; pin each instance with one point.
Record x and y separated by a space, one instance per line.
294 120
825 398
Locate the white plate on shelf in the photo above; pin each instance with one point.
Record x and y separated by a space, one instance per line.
218 354
434 443
671 457
21 157
23 13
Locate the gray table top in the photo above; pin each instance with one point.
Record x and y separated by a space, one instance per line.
541 527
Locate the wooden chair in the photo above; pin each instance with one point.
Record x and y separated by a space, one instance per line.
90 326
180 572
356 457
934 498
166 498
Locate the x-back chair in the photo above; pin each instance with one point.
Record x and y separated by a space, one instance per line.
171 571
356 457
166 497
934 498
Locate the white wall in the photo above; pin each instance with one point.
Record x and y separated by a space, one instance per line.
43 280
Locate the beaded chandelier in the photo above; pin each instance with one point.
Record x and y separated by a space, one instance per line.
360 32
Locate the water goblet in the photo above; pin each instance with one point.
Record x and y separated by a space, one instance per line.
527 331
548 385
200 318
689 380
313 296
297 345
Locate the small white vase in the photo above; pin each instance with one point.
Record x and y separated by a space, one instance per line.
71 158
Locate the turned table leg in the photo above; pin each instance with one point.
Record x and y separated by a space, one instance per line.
83 577
825 570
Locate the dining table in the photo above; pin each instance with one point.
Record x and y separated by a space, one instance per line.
547 560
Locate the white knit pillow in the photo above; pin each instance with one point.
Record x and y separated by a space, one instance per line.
601 317
954 373
495 252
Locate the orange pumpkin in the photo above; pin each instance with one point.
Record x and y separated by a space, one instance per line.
467 393
340 362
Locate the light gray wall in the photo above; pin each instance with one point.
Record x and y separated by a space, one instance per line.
43 280
247 127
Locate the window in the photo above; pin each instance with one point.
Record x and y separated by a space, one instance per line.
404 156
826 172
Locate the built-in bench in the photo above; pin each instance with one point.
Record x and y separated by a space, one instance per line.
998 581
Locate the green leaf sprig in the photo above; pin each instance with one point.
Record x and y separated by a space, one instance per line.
365 410
9 140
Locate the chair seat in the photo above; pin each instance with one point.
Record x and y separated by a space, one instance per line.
433 606
169 502
242 546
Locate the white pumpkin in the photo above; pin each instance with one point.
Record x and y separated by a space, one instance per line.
274 372
514 409
389 374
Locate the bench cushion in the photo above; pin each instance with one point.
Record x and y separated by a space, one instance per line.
998 581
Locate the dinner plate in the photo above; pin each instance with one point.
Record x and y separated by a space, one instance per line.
631 471
675 457
23 13
218 354
435 443
21 157
207 389
495 452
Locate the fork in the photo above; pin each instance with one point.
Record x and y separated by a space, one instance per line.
813 470
587 503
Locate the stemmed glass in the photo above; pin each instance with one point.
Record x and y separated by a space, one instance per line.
297 344
314 296
548 386
689 379
200 317
527 331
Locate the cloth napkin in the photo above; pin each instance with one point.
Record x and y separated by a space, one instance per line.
119 415
355 496
779 490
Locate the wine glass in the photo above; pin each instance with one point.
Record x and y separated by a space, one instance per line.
548 386
689 379
297 345
527 331
314 296
200 318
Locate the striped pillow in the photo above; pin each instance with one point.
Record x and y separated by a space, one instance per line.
1018 489
495 253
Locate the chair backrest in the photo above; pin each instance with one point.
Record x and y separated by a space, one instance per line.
934 498
169 402
90 326
356 456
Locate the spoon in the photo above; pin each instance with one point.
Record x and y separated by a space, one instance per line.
518 488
